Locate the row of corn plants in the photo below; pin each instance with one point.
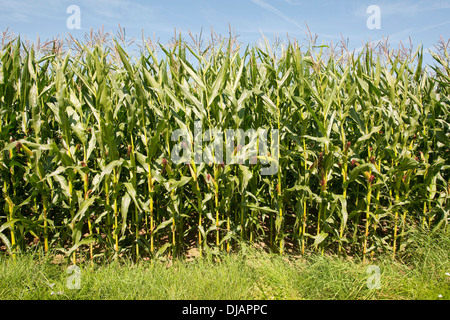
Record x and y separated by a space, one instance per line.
86 140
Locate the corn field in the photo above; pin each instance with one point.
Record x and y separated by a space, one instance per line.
86 146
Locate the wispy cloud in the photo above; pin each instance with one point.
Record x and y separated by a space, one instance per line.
16 17
294 2
277 12
123 4
28 10
433 26
416 8
107 13
406 7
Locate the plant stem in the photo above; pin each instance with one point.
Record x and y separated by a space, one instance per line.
366 235
394 247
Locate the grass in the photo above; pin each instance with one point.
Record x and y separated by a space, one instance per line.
420 273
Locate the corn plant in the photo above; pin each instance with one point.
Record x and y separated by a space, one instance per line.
88 140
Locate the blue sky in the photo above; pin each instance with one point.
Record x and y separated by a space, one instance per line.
423 21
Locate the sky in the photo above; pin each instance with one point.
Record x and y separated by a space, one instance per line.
422 22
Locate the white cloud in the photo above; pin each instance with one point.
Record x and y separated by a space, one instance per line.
277 12
107 13
294 2
389 8
29 10
433 26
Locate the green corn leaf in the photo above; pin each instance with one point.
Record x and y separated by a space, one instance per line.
125 204
320 238
84 241
84 207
